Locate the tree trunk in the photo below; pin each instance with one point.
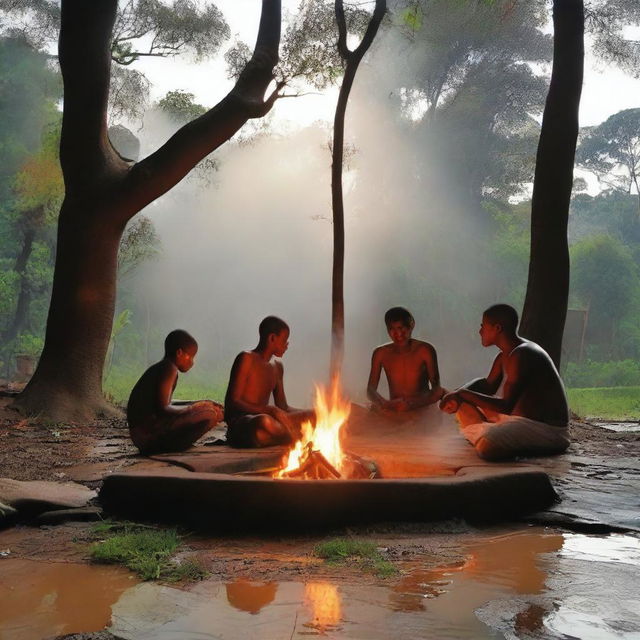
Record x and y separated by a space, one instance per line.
352 59
103 192
545 306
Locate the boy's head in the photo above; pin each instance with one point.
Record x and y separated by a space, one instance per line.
400 324
181 348
274 333
497 319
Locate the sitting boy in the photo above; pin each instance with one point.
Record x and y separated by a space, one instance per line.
411 367
251 420
531 416
155 424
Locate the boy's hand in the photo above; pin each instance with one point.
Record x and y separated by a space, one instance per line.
398 405
450 403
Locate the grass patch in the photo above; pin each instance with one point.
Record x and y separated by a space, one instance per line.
608 403
347 550
146 550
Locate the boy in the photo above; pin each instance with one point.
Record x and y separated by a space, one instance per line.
155 424
251 420
532 415
411 367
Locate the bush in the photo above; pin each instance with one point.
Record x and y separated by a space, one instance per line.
615 373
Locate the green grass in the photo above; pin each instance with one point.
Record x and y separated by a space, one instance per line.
608 403
145 550
360 552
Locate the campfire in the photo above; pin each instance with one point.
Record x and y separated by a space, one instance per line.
319 454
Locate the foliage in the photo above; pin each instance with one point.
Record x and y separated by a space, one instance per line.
611 212
143 28
611 151
180 107
363 553
614 373
603 275
29 344
139 243
308 52
612 403
608 22
468 67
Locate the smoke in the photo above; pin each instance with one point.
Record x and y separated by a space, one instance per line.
257 240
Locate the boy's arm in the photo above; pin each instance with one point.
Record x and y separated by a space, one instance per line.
485 387
516 371
279 397
489 385
374 379
168 375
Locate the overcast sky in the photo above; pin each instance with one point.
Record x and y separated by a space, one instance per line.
606 90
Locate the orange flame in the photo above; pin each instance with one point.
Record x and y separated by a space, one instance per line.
332 411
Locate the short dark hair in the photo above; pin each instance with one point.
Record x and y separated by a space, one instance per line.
271 324
178 339
399 314
504 315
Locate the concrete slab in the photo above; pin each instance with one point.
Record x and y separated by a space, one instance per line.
227 501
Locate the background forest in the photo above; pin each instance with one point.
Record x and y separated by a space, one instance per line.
442 132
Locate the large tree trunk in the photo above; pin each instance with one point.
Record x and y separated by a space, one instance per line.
352 60
103 192
545 306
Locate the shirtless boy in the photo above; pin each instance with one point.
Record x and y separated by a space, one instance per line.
155 424
531 415
251 420
411 367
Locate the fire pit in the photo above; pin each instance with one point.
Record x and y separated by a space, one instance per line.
328 481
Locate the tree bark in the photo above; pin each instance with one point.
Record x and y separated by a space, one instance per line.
352 60
103 192
545 306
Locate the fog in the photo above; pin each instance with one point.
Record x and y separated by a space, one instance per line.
257 240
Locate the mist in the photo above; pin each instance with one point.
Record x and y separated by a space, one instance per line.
256 240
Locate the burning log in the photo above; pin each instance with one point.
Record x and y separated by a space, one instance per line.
313 465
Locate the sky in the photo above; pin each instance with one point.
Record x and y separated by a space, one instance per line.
606 90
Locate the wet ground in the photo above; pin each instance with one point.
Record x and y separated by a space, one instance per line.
528 583
516 581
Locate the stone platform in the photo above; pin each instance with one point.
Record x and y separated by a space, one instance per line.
429 472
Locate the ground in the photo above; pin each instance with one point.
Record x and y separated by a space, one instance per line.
32 450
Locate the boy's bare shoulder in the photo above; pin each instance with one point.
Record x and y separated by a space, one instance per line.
421 344
382 349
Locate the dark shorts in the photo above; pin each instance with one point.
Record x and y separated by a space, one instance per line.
241 432
169 434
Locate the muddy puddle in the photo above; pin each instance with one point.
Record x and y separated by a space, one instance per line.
528 584
41 599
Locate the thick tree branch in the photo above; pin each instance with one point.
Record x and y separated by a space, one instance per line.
163 169
85 60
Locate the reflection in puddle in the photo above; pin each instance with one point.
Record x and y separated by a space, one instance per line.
41 599
323 601
527 584
250 596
